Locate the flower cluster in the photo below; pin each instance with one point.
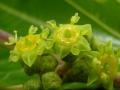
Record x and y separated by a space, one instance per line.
66 38
50 50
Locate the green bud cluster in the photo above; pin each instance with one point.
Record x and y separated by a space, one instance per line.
66 53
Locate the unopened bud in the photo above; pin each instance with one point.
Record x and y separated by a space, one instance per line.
51 81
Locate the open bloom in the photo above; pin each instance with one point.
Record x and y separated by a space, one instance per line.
28 43
28 47
105 65
72 37
67 35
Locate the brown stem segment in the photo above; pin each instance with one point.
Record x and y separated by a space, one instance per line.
4 37
62 68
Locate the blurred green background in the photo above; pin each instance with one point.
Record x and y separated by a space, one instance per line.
103 15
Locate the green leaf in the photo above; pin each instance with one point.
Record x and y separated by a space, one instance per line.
83 8
74 85
77 85
92 80
11 74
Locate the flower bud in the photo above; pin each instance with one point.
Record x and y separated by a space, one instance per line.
33 84
78 72
51 81
47 64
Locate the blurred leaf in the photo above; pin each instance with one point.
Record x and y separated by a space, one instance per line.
98 18
77 85
19 14
74 85
12 73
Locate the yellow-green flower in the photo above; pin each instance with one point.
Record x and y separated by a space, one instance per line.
28 47
67 35
27 43
105 65
72 37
